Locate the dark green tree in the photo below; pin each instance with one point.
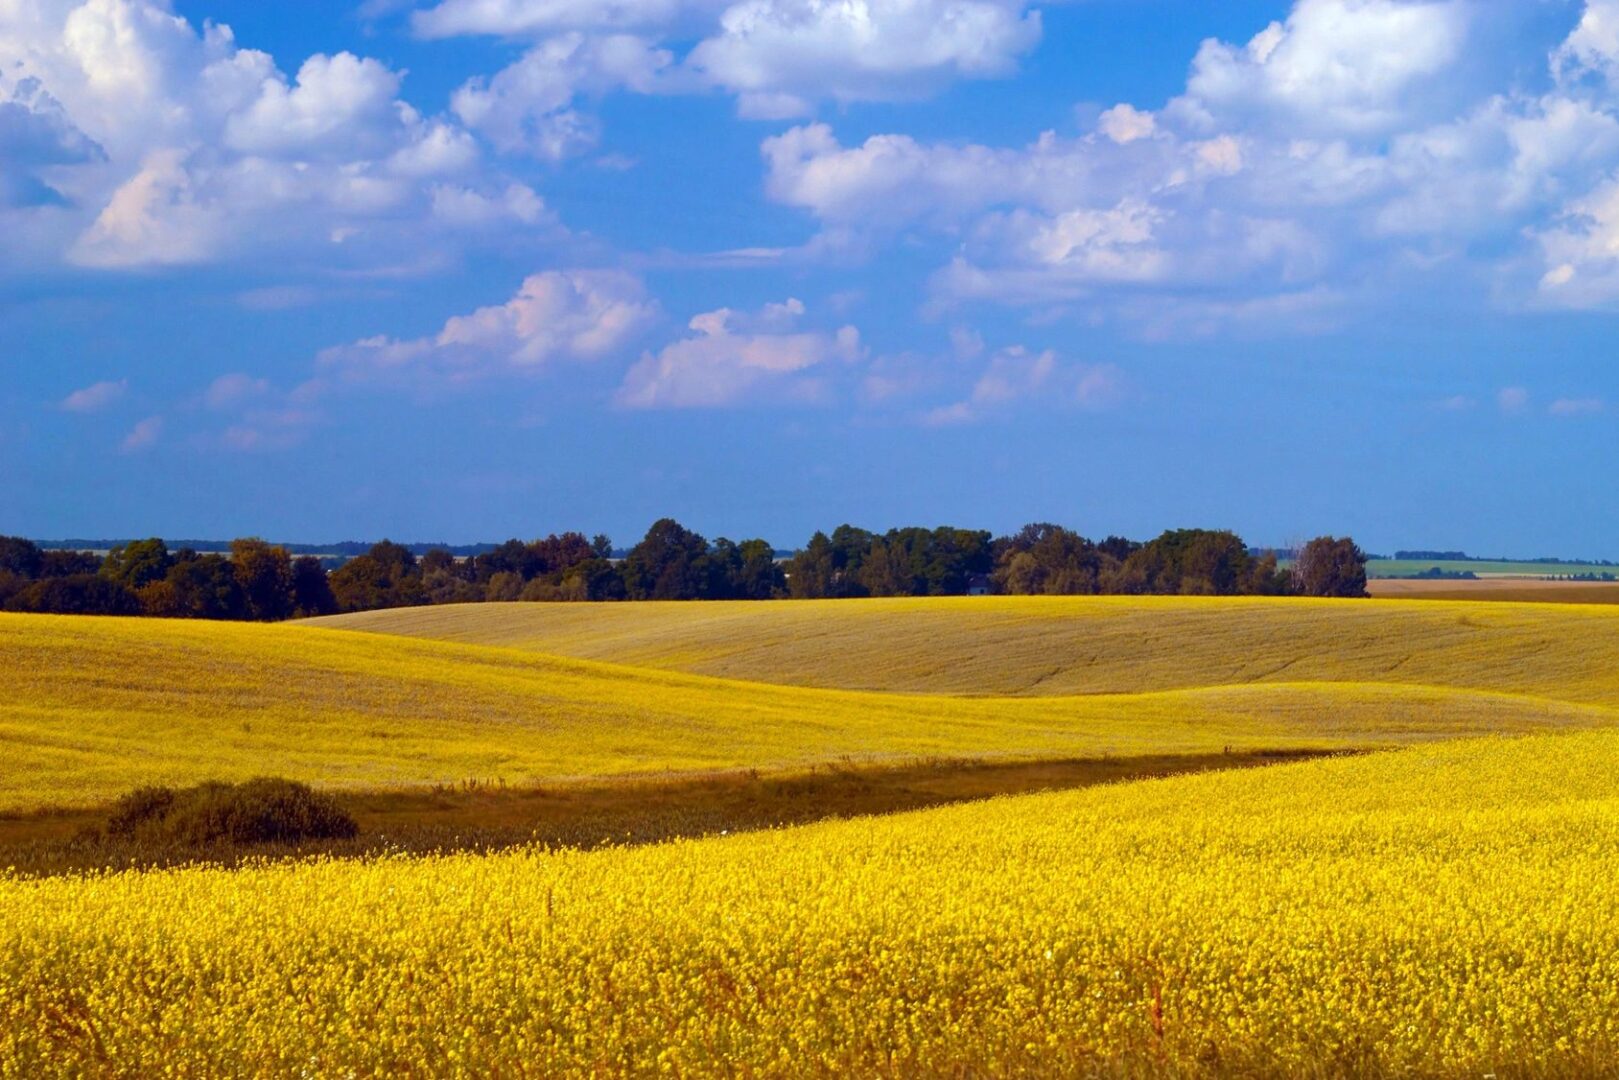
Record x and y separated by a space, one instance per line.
1330 566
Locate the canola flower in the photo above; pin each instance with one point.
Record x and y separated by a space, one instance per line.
1445 910
94 707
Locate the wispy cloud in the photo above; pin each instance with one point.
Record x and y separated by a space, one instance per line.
95 397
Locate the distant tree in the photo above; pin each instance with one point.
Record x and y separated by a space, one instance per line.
1044 558
555 555
137 563
77 594
601 546
437 561
397 558
597 579
756 575
386 576
1330 566
311 591
1191 562
810 574
61 562
670 563
886 571
21 558
505 586
205 587
264 571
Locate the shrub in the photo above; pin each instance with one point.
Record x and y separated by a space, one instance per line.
262 811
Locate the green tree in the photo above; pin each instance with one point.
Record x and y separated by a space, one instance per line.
670 563
137 563
810 574
264 571
311 591
1330 566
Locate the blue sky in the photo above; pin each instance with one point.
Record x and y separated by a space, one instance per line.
468 269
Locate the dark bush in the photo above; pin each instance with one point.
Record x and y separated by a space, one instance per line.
263 811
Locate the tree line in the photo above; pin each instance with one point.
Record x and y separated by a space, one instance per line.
265 582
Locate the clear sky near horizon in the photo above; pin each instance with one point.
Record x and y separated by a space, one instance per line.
470 269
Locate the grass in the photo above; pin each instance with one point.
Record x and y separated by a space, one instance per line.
1443 911
95 707
1031 646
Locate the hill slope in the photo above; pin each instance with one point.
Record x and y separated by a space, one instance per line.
1063 645
93 707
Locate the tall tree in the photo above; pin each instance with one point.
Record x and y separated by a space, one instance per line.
1330 566
670 563
264 571
311 591
137 563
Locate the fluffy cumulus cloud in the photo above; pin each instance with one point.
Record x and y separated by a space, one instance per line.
733 358
556 315
1351 147
779 57
529 106
131 138
783 56
526 18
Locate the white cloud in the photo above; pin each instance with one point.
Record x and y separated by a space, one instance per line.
1017 375
234 389
781 56
534 18
143 436
732 358
168 145
1576 406
1355 149
1125 124
1512 399
527 107
556 315
1357 67
95 397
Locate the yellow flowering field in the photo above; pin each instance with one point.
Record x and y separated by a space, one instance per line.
93 707
1443 910
1058 645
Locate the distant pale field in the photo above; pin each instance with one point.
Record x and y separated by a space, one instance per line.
93 707
1442 911
1062 645
1516 568
1515 589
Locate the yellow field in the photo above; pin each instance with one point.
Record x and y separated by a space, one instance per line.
93 707
1439 911
1063 645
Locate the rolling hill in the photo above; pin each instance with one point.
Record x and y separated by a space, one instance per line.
1026 646
96 706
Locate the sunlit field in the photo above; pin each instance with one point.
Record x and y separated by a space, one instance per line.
97 706
1063 645
1439 911
1436 903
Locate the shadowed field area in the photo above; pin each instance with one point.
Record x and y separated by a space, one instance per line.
593 813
